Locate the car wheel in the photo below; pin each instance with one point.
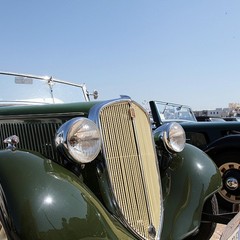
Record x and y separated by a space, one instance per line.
207 227
229 195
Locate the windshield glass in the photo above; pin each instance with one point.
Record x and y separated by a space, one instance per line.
27 89
171 111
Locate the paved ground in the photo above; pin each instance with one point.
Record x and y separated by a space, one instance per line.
218 232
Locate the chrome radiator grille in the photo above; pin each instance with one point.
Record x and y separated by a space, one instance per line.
131 162
35 135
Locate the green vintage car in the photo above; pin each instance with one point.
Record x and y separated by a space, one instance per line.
218 138
73 168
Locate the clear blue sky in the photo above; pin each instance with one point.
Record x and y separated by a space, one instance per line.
171 50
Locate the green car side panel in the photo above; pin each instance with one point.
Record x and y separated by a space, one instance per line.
46 201
190 179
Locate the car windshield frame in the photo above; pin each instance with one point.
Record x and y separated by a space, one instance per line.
174 112
45 95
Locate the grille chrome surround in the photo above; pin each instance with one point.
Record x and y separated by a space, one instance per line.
132 167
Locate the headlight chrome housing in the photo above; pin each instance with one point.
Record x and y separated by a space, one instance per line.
172 135
79 138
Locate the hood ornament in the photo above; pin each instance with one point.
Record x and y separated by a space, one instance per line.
12 141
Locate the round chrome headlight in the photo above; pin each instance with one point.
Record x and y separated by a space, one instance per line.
80 139
174 137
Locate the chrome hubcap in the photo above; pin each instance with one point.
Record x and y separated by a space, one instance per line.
230 173
232 183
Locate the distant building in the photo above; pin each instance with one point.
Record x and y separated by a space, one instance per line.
233 110
218 112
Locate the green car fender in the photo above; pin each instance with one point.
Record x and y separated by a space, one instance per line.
191 178
39 199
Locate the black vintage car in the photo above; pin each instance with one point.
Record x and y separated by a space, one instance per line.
219 139
75 169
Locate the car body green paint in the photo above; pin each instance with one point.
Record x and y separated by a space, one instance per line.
187 183
40 191
45 200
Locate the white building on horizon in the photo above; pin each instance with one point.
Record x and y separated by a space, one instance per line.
232 110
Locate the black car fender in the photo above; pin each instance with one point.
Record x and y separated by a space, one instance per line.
40 199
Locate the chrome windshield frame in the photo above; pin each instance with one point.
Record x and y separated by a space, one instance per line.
50 80
165 105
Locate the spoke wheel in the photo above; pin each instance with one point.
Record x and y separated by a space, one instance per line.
229 167
231 177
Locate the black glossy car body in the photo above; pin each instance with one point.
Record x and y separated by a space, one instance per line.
221 141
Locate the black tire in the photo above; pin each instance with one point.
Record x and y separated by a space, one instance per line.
207 228
229 166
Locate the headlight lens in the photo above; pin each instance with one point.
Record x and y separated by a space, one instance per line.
172 135
80 139
175 137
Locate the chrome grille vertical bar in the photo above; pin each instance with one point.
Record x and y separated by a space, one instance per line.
50 129
128 148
